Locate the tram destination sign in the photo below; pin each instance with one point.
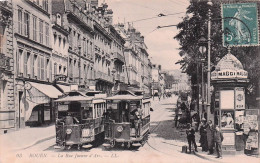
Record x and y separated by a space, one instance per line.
240 24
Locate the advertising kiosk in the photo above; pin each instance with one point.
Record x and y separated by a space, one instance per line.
230 80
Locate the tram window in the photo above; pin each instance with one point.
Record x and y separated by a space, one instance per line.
87 114
102 109
61 114
94 111
98 107
99 110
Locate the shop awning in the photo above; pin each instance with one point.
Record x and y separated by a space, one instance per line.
46 89
74 98
65 88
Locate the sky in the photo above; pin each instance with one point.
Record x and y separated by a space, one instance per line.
162 47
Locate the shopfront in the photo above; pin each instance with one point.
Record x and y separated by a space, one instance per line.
39 105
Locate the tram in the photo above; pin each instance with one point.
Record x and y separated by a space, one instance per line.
127 120
80 120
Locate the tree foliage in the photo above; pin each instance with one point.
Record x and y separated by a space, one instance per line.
194 26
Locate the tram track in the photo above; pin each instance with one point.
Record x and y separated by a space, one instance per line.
152 143
152 137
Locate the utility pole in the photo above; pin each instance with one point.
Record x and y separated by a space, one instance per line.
209 55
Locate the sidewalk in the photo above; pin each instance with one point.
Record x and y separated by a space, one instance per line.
226 157
25 138
179 139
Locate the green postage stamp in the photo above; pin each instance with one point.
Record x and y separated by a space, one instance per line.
240 24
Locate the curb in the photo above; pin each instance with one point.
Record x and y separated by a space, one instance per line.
35 142
206 158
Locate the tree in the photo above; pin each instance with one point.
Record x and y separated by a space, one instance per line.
194 25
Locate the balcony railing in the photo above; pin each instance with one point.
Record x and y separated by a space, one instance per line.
104 76
120 77
78 15
119 56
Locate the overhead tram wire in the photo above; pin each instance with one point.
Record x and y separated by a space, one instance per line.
178 3
158 16
159 27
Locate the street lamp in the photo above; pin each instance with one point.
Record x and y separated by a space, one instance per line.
202 43
209 51
209 56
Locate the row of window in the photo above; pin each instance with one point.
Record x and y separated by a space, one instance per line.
36 66
33 65
82 44
74 69
44 4
58 43
40 29
59 70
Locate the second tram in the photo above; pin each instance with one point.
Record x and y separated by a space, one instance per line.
127 120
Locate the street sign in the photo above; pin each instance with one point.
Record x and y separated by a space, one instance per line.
240 24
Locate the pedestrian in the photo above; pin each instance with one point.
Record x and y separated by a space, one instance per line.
176 116
203 135
210 136
191 137
218 138
138 115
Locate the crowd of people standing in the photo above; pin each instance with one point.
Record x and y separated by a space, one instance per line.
210 137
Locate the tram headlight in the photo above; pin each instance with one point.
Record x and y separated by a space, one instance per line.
68 131
119 129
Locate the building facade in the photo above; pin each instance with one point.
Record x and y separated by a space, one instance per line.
60 57
117 49
156 73
137 63
78 21
103 55
7 107
34 91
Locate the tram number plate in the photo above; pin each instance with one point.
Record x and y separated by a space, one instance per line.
85 132
85 139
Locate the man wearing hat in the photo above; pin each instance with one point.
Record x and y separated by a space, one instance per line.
218 138
210 136
203 135
191 137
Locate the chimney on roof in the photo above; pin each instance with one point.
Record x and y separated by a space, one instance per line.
109 16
